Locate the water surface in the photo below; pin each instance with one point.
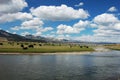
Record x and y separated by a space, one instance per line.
94 66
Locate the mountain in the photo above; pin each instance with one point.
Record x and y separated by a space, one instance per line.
47 39
15 37
6 36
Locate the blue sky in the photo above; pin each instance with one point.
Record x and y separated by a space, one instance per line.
85 20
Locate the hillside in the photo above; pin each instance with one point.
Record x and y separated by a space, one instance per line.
15 37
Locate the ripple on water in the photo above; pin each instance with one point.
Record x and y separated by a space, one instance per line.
105 54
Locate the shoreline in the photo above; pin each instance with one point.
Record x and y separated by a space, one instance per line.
54 53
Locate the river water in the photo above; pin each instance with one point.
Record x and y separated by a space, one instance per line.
94 66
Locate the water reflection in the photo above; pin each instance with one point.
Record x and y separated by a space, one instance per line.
96 66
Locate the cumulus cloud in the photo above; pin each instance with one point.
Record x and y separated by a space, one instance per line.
105 18
98 38
81 24
10 10
25 33
59 13
16 28
112 9
108 28
47 29
80 4
34 24
76 28
11 6
39 31
15 16
63 29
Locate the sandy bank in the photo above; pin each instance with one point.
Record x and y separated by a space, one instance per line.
57 53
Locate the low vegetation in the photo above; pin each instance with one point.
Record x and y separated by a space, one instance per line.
113 46
35 47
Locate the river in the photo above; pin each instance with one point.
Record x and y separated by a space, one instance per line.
94 66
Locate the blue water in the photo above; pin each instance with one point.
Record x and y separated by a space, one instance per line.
94 66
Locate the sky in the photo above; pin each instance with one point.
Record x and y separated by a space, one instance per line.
84 20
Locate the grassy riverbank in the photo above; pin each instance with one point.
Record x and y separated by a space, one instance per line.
113 47
15 47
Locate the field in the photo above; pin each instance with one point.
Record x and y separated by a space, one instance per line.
35 47
113 46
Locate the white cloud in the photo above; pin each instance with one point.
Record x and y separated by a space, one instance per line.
16 28
93 25
80 4
64 29
97 38
14 32
47 29
35 23
81 24
112 9
61 36
76 28
15 16
25 33
105 19
117 26
40 30
38 33
108 28
57 13
11 6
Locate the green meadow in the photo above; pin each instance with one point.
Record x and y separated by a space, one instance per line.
24 47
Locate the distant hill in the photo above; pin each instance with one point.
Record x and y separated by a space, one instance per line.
15 37
6 36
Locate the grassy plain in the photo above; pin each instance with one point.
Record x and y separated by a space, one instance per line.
113 46
15 47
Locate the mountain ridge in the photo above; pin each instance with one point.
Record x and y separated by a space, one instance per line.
15 37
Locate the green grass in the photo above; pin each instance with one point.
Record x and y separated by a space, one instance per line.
42 49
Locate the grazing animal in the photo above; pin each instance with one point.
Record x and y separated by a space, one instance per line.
25 48
31 46
1 43
70 46
87 47
22 45
81 46
40 44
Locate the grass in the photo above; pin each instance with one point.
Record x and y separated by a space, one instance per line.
46 48
113 47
